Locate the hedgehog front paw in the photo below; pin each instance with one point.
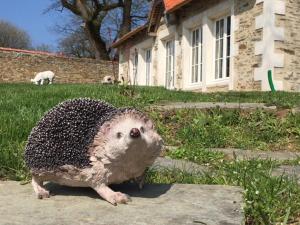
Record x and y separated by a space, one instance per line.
43 194
121 198
39 190
117 198
112 197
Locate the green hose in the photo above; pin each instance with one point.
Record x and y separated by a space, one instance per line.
271 81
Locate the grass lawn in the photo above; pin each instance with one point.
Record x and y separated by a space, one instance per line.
267 199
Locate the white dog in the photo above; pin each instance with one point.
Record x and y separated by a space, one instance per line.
42 76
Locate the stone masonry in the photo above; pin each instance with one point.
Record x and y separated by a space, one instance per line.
245 60
18 67
290 47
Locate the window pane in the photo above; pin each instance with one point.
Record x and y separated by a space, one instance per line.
201 72
221 28
197 55
196 73
227 67
221 68
216 69
218 29
228 46
228 25
201 36
217 49
170 49
221 48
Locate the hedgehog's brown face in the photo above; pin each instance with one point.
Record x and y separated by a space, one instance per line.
133 136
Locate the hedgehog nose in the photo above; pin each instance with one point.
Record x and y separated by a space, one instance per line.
135 133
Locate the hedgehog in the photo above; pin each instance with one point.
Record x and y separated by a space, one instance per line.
90 143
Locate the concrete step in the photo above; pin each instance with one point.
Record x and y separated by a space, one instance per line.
290 171
212 105
240 154
162 163
156 204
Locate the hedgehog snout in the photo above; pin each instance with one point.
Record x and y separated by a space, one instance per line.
135 133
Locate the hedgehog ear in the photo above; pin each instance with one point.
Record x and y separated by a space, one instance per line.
105 128
149 123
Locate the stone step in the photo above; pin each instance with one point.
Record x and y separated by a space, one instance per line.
241 154
291 171
231 153
182 165
212 105
193 168
156 204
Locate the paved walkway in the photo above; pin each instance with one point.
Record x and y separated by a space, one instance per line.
155 205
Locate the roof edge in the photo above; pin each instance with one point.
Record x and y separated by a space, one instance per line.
128 35
177 6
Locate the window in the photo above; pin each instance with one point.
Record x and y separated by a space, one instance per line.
196 55
222 54
135 67
148 66
170 50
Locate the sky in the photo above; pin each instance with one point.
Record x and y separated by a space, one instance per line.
28 15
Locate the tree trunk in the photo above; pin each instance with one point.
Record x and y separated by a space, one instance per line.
93 34
126 20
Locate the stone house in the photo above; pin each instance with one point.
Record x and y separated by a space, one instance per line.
215 45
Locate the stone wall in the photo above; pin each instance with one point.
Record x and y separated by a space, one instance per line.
246 35
290 47
18 67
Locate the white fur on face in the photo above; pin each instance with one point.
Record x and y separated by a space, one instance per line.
128 157
119 140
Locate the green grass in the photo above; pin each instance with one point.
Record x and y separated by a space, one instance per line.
267 199
22 105
256 130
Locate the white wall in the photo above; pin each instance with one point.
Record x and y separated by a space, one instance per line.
141 73
163 36
205 19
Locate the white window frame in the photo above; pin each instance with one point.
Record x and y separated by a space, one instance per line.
148 66
135 67
170 64
221 60
196 63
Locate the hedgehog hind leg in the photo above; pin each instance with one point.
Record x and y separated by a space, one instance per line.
38 188
140 181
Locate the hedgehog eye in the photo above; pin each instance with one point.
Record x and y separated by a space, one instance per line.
119 135
142 129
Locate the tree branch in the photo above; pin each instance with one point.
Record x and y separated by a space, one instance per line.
70 6
139 17
107 7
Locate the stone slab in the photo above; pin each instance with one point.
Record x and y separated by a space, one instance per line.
156 204
240 154
212 105
182 165
291 171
